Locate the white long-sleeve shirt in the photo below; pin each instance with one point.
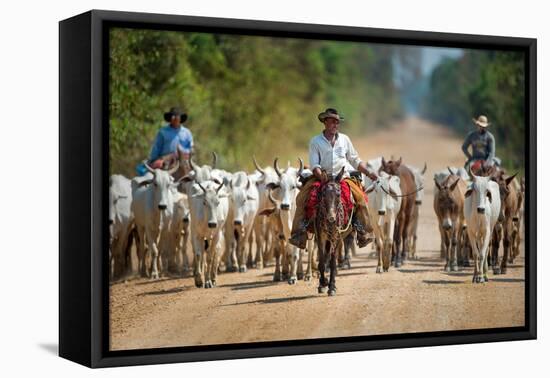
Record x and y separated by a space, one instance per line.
331 159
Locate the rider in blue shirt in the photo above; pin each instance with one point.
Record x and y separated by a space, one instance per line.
171 137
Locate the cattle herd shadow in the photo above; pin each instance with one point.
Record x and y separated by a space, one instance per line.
275 300
174 290
250 285
442 282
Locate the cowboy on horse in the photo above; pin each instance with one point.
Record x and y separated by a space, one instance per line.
482 143
174 137
329 153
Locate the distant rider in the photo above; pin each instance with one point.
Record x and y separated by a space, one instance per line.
482 144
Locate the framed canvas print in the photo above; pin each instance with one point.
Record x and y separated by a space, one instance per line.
234 188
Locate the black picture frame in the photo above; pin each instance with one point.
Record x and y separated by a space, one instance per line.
83 178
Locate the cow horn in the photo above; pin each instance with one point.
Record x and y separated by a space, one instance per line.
174 169
301 169
148 167
214 160
425 168
192 164
257 165
219 187
200 186
450 170
276 166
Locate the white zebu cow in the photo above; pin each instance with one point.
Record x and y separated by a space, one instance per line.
209 209
284 193
263 177
419 197
244 202
152 195
481 210
174 234
121 222
384 204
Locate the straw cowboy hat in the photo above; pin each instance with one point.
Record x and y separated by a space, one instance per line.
175 111
481 121
330 113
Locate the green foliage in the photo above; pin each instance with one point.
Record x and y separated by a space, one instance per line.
490 83
244 95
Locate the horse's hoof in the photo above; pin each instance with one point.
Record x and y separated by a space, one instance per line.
292 281
454 268
242 269
386 269
208 285
231 269
322 289
332 292
496 271
199 284
378 269
276 277
307 277
214 283
503 271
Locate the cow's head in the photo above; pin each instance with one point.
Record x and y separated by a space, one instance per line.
479 189
240 195
419 180
288 184
391 166
445 200
162 184
209 193
382 191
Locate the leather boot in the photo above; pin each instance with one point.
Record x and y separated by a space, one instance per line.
299 237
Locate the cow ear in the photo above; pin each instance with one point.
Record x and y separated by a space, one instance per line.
250 198
272 186
267 212
468 193
398 162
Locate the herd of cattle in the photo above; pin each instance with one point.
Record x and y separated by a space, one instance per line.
237 221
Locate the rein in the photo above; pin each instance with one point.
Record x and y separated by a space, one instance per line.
402 195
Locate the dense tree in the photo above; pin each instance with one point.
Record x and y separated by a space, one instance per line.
481 82
244 94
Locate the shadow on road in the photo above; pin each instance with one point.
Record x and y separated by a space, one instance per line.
507 279
277 300
250 285
162 292
442 282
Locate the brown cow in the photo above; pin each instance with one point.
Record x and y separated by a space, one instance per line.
449 208
508 228
403 224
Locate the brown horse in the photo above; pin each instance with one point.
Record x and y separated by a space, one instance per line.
330 230
403 226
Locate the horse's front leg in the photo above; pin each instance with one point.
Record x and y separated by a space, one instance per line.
333 258
322 280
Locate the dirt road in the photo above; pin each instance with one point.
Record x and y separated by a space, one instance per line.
246 307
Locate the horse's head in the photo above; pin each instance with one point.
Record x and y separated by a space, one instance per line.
330 201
